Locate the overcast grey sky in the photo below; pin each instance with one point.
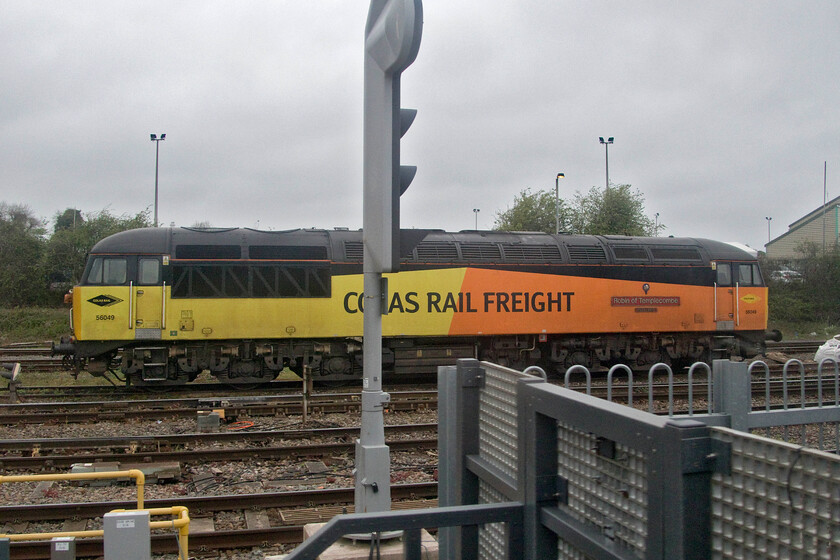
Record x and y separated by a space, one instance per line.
723 112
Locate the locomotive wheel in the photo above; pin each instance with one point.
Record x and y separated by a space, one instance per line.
650 357
578 358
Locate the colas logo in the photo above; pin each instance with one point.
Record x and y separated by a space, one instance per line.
104 300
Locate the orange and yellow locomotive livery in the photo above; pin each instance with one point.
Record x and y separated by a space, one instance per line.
164 304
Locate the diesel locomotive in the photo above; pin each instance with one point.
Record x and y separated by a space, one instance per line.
157 306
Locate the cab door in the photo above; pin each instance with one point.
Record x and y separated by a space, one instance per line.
724 297
148 299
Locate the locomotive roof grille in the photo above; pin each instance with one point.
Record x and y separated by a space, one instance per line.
437 251
587 253
480 251
532 253
354 250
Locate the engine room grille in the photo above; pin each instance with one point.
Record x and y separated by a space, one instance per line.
437 251
587 253
480 251
354 250
532 253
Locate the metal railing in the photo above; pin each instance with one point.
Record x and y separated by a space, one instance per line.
180 521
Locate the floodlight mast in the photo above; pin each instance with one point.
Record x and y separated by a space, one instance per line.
392 39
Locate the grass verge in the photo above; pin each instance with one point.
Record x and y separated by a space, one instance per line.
33 324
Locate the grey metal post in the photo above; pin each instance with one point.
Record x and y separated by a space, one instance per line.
537 481
606 144
157 142
557 203
373 469
684 487
392 39
458 412
732 392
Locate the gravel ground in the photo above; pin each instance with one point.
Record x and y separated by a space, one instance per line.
223 478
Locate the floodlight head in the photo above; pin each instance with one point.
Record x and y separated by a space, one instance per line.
163 137
154 137
561 175
600 138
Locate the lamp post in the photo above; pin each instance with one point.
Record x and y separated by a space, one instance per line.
768 218
606 144
476 211
557 202
157 142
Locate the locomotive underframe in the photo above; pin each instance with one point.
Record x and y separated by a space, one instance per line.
244 362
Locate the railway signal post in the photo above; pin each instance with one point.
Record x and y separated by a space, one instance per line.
392 39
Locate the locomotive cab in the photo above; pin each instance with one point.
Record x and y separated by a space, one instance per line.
740 305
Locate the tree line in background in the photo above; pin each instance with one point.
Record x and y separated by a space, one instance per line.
37 266
617 210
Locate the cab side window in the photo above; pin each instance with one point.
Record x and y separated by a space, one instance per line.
745 274
108 271
749 275
148 272
724 274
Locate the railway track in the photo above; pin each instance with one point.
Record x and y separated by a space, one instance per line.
246 406
795 346
267 517
324 403
46 455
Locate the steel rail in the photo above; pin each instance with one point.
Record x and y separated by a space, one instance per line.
10 463
228 502
131 444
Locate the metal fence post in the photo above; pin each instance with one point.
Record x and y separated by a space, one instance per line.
458 396
687 461
732 392
538 481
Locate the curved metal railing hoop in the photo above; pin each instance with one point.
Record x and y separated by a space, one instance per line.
668 369
694 366
536 371
610 374
576 369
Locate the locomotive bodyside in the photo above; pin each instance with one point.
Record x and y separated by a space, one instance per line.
166 303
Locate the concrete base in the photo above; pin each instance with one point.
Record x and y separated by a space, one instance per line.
345 549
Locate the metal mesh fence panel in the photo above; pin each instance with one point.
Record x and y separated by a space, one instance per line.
779 501
607 490
498 446
497 420
491 537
